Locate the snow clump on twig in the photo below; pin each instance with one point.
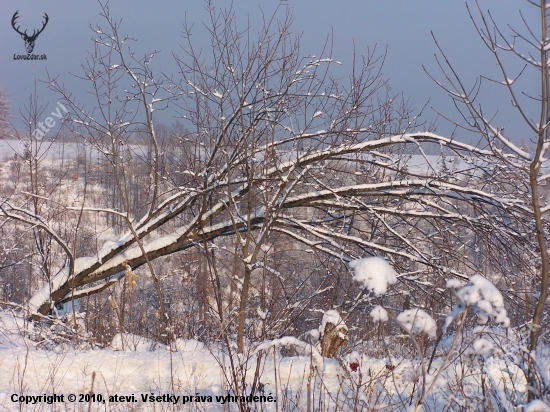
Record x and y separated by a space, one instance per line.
374 273
480 294
453 284
379 314
482 347
417 321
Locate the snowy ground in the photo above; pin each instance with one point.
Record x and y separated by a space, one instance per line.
139 369
419 164
135 373
134 367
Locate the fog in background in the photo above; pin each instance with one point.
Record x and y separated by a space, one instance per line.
404 28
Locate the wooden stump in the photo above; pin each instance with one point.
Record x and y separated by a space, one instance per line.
333 338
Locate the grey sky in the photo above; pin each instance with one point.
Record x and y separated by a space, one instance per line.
403 26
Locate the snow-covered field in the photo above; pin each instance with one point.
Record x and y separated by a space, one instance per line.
419 164
53 150
134 366
298 240
42 371
190 376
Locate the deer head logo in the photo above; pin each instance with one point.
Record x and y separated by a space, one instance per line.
29 40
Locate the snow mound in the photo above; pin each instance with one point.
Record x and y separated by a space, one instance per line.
537 406
374 273
188 345
290 340
379 314
12 324
417 321
130 342
354 357
13 330
485 298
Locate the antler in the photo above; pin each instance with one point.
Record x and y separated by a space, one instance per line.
35 33
15 16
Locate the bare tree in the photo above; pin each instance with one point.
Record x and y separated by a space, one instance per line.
278 145
283 171
527 165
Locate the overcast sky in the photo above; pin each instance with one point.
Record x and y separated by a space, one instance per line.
402 26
